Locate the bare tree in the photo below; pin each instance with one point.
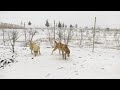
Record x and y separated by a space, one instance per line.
3 36
25 35
117 38
13 36
60 33
64 33
31 33
54 30
68 35
49 35
81 37
94 35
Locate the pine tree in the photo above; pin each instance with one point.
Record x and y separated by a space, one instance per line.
59 25
71 26
47 23
66 26
63 25
29 23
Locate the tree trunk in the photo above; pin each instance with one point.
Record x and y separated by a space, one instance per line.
3 37
13 49
25 39
81 38
64 36
94 35
54 30
25 36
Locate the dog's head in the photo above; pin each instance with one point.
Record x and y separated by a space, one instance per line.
67 50
68 53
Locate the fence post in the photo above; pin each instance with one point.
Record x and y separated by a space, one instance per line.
54 30
94 35
4 37
25 35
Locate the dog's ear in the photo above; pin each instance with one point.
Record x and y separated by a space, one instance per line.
55 42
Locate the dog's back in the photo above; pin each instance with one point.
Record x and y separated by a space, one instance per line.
36 47
58 45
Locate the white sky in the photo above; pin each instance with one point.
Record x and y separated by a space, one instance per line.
82 18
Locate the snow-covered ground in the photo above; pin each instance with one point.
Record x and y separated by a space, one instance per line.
82 64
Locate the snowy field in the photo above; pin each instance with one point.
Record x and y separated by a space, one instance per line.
104 63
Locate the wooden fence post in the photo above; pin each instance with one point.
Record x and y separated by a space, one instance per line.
94 35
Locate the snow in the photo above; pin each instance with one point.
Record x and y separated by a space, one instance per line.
82 64
104 63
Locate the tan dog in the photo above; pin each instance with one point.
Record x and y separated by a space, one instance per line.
57 46
34 47
62 47
65 50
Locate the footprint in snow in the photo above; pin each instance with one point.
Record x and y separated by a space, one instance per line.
89 54
75 71
74 64
113 56
47 75
82 66
60 68
84 60
76 74
103 68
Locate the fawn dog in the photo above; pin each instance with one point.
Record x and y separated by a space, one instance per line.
34 47
62 47
57 46
65 50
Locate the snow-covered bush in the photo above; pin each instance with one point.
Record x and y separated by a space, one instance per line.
6 61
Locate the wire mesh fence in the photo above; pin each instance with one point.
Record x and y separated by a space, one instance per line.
77 37
104 38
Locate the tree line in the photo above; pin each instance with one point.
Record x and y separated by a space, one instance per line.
10 26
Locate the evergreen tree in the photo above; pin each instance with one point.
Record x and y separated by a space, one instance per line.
63 25
47 23
29 23
59 25
66 26
71 26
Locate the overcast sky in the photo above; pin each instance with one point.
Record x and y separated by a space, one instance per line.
82 18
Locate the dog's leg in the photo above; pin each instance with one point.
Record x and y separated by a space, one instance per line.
36 53
39 51
31 51
53 51
59 52
65 56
